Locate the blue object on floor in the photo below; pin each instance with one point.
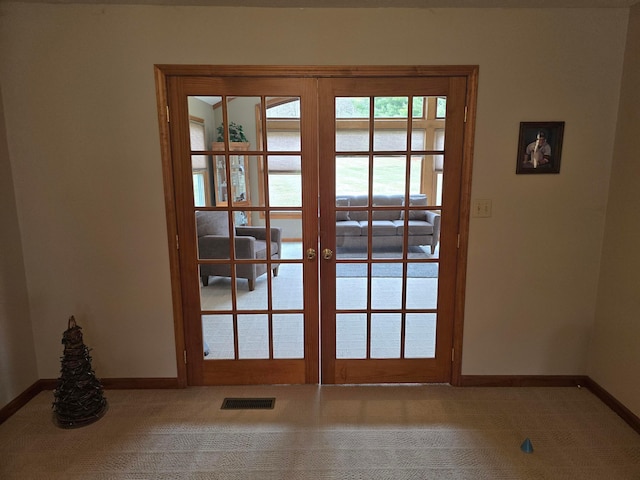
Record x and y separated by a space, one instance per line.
206 348
526 446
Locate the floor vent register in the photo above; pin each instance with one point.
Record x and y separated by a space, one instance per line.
248 403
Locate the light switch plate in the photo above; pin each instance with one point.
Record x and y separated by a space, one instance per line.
481 208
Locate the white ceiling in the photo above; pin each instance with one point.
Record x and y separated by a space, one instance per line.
367 3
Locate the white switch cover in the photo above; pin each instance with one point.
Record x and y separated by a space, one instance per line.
481 208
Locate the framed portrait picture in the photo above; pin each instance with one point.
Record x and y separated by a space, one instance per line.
539 147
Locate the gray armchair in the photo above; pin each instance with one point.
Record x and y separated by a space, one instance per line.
214 242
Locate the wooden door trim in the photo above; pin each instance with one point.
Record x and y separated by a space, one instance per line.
463 224
172 225
310 283
283 71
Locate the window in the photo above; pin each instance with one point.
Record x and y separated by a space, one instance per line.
284 136
198 162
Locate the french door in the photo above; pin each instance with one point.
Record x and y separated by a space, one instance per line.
316 218
249 303
388 292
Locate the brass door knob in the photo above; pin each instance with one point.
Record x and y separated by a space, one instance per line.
311 253
327 254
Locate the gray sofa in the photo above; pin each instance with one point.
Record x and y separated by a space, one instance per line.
214 242
387 225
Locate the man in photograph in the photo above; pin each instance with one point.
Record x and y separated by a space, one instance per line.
538 152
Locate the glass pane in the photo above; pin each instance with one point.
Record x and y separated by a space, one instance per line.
283 107
349 138
352 124
201 121
288 293
352 107
212 230
238 178
284 141
351 235
418 137
389 139
438 141
200 164
420 167
351 335
247 274
283 124
351 291
201 190
386 286
217 337
390 135
255 180
441 107
419 107
389 177
240 218
221 192
253 336
241 112
385 335
252 240
234 186
352 175
391 107
422 285
423 228
285 180
293 229
420 335
215 292
288 336
428 130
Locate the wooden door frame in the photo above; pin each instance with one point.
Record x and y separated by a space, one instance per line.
162 74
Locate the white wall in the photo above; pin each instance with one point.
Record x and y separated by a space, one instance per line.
615 356
17 356
83 141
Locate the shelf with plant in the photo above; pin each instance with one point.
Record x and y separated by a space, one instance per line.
237 139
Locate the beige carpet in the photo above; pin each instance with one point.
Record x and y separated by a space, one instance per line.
330 432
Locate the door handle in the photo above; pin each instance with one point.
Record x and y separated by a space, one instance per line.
327 254
311 254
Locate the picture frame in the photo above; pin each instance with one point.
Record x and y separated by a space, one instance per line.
539 147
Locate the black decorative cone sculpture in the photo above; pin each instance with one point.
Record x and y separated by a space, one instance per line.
79 398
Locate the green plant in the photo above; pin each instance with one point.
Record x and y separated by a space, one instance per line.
235 133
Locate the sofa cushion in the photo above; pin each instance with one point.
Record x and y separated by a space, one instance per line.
348 228
380 228
342 215
386 214
416 227
386 201
416 200
358 201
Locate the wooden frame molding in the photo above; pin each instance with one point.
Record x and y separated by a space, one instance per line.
523 381
609 400
20 401
554 381
108 384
